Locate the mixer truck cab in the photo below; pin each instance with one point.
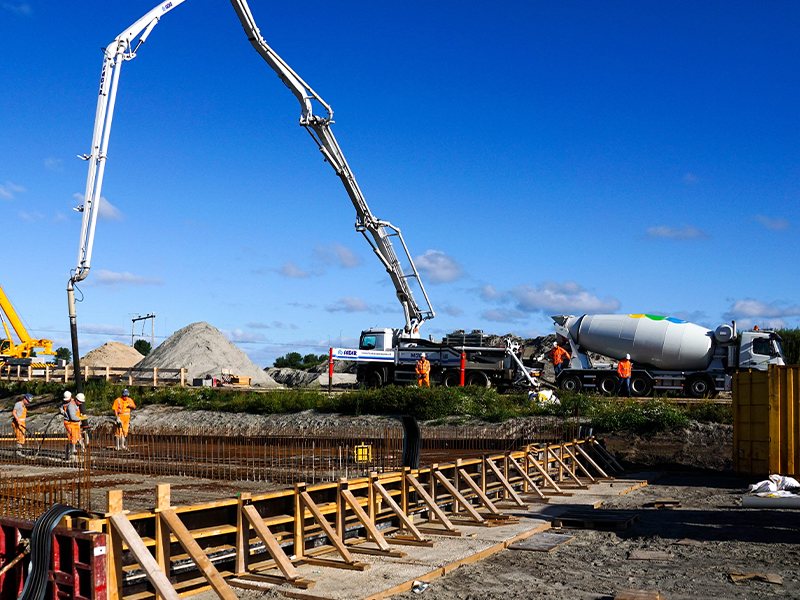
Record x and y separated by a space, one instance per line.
668 354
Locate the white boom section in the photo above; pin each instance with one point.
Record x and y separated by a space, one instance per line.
366 222
114 55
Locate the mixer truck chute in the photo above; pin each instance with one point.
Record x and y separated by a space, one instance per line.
668 354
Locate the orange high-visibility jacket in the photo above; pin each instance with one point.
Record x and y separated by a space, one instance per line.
624 368
123 406
423 366
558 355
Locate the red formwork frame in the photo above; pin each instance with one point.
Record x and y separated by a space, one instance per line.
77 562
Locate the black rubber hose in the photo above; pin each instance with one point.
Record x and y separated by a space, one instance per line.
41 548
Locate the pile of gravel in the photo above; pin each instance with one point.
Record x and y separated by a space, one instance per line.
202 350
112 354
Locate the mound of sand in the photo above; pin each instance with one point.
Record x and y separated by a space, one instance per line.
202 350
112 354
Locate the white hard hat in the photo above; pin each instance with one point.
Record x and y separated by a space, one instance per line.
555 344
627 357
80 398
422 355
67 395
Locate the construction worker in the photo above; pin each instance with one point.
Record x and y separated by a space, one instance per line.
18 420
71 412
122 411
558 354
624 372
423 371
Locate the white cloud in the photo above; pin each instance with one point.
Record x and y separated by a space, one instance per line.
241 336
349 304
684 233
110 278
773 224
337 255
8 190
453 311
60 218
289 269
490 294
105 210
54 164
555 298
23 9
273 325
31 216
755 309
504 315
438 267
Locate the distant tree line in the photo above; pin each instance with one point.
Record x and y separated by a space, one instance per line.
790 344
293 360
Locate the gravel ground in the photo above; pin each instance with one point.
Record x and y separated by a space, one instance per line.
595 565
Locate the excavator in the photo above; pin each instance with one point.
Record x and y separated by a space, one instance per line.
18 354
377 232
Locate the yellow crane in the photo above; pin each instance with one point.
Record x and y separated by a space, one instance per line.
27 345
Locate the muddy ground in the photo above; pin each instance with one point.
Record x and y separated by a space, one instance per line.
595 565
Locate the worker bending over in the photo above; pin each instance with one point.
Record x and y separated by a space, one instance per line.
71 412
18 421
122 411
624 372
423 371
558 354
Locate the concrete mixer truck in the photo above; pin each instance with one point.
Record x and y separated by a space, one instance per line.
668 354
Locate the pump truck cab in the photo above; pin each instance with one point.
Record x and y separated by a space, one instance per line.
668 354
389 356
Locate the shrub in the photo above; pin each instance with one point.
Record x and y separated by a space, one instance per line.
615 414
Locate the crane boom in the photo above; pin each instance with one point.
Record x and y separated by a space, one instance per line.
375 231
27 344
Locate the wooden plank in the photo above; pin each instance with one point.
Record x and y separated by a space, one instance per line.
545 541
162 539
199 557
575 461
545 475
649 555
430 502
638 595
479 492
504 482
336 564
362 516
271 580
407 523
457 497
273 547
571 472
149 565
585 455
607 455
526 477
308 503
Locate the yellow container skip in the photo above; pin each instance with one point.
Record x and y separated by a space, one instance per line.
766 421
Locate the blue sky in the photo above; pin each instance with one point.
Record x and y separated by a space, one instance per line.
540 158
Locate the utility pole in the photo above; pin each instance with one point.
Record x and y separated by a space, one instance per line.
151 316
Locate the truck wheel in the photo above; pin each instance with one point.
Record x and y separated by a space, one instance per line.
698 386
608 385
374 379
571 383
451 379
479 379
641 386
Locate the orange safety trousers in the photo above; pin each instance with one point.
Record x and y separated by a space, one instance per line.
73 431
126 422
424 380
19 430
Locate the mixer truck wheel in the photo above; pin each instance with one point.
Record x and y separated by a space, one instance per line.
608 385
479 379
571 383
452 379
641 386
698 386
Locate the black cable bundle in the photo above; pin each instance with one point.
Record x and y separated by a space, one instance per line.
41 547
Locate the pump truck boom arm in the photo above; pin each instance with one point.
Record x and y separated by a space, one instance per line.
379 231
375 231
